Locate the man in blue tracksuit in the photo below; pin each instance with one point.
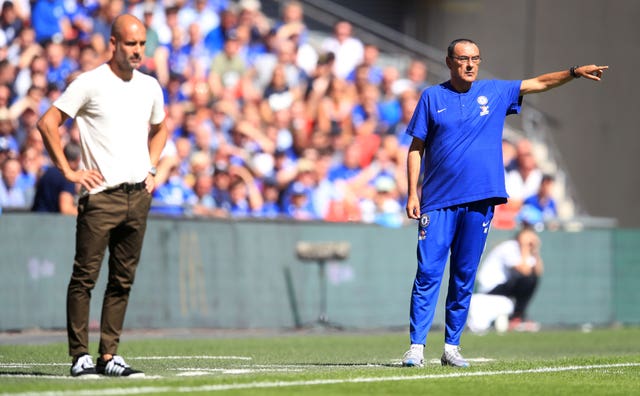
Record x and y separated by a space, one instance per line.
457 142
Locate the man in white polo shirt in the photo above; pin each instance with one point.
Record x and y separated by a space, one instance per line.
120 115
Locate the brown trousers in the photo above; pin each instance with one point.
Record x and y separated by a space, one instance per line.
117 220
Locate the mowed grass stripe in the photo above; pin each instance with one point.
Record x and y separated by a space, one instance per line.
283 384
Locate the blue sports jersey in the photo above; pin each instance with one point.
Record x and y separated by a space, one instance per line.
462 132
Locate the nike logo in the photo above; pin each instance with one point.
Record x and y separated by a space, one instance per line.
485 224
441 110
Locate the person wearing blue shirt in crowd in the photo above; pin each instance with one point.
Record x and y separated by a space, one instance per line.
174 197
54 193
48 18
300 206
457 140
271 196
542 204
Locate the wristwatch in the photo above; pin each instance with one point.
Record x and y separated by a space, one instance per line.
153 171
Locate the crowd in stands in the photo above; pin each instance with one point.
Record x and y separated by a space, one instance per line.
263 123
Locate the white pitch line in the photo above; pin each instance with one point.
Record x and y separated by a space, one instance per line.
190 357
23 365
283 384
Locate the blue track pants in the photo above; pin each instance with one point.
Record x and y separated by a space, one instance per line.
461 230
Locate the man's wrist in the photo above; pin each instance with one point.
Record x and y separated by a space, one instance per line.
153 171
572 72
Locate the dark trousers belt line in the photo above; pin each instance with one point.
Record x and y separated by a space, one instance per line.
127 187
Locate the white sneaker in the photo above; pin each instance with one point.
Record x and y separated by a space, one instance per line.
83 366
453 358
117 367
414 357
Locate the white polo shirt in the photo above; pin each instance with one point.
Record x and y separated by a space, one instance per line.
113 118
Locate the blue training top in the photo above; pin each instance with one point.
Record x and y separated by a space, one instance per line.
462 132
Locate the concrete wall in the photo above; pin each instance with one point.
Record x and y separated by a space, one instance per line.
593 125
229 274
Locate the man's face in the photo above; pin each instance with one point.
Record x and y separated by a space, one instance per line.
464 62
130 47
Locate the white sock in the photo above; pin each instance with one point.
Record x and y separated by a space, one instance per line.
450 348
418 347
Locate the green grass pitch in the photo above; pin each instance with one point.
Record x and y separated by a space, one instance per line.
551 362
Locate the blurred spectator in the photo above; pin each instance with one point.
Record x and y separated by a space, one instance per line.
541 209
171 59
221 185
80 15
415 78
222 120
278 94
348 50
370 59
344 205
351 181
285 57
509 155
197 53
513 269
205 16
5 98
60 66
89 59
8 140
389 162
205 205
174 197
383 208
335 109
8 72
25 124
173 92
257 27
292 22
408 102
31 163
106 14
22 50
24 79
214 40
305 176
368 123
390 108
228 68
165 20
11 195
245 196
10 23
153 39
300 206
292 28
271 200
50 21
523 181
319 79
54 193
35 99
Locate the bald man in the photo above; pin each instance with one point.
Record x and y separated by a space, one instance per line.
120 115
